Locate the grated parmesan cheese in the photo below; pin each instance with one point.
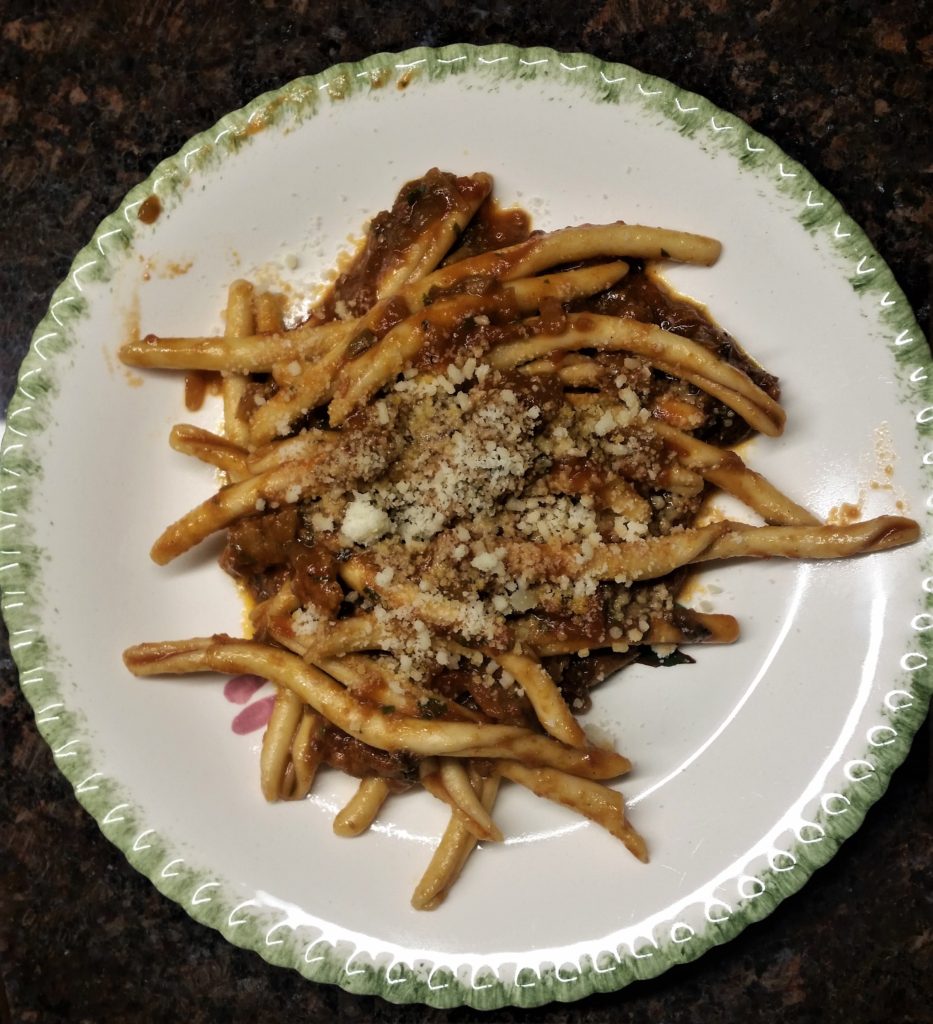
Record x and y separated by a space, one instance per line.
364 522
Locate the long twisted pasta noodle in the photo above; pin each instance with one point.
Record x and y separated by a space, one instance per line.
366 722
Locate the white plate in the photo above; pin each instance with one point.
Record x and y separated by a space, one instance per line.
751 765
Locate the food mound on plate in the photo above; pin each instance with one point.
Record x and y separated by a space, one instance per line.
464 490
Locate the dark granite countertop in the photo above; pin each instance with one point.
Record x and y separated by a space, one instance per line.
92 95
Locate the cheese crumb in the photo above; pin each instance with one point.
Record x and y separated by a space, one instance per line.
384 578
486 562
364 522
605 424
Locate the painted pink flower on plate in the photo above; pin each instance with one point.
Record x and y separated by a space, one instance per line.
240 690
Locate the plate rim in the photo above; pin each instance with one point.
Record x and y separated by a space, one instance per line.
29 413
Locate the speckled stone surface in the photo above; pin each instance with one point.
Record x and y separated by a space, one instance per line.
92 95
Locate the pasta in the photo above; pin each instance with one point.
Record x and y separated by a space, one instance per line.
463 492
